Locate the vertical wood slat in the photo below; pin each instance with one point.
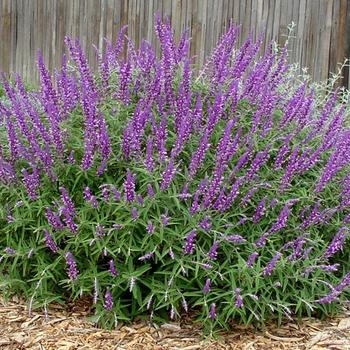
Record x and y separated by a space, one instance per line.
321 38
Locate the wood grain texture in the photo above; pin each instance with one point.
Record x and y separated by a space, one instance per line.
321 37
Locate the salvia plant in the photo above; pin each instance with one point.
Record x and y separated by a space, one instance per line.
157 190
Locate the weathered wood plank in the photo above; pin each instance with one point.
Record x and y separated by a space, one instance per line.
322 34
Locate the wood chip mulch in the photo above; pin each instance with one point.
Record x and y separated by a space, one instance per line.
68 329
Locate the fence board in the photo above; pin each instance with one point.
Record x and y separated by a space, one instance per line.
322 34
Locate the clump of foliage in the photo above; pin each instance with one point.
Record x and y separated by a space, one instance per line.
157 191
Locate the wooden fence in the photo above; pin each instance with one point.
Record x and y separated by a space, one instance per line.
321 38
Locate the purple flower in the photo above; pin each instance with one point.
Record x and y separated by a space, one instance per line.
206 288
195 205
9 251
116 194
199 155
149 162
239 298
129 186
100 231
234 191
31 182
237 239
112 268
336 161
150 227
259 160
150 191
205 224
313 218
213 251
68 220
336 291
73 271
272 264
68 203
50 243
280 223
297 246
139 199
212 311
260 211
108 304
291 169
105 192
185 192
88 196
337 242
117 226
329 298
245 200
171 253
146 256
54 220
251 259
190 242
134 213
165 219
168 175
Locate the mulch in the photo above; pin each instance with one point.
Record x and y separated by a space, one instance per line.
68 329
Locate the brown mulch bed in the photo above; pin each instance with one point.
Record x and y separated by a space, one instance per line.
68 329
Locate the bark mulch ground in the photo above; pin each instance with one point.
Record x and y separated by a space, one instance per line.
68 329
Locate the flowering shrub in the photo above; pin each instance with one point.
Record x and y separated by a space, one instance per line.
159 191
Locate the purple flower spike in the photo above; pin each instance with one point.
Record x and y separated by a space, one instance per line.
206 288
149 162
108 304
329 298
129 187
185 194
68 220
9 251
150 227
112 268
168 175
105 193
237 239
146 256
212 311
205 224
88 196
165 219
239 298
68 203
189 242
251 259
31 182
100 230
260 211
73 271
213 252
50 243
337 243
54 220
134 213
150 191
140 200
116 194
272 264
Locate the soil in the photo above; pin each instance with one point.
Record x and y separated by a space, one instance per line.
68 329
